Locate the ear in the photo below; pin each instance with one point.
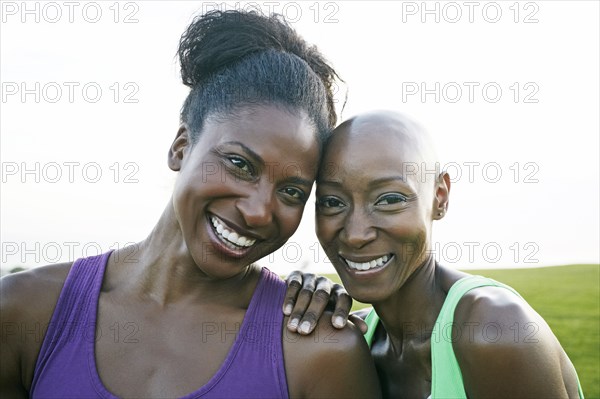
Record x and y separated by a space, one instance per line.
181 143
442 196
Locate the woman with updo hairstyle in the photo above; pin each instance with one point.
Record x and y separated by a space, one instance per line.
193 316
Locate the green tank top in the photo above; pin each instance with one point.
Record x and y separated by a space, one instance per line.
446 378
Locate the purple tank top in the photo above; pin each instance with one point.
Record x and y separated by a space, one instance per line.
66 366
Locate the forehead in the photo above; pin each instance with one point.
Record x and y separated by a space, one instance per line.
372 147
271 131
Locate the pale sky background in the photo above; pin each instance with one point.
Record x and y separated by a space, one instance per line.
544 124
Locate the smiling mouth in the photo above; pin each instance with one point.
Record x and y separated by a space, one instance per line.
368 265
229 238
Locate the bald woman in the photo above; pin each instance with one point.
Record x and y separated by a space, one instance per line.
433 331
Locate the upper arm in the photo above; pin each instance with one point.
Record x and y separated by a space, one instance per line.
11 385
506 349
330 363
27 301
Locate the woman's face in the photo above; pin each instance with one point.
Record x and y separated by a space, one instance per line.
374 211
242 186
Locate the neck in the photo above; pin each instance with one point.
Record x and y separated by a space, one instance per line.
164 271
412 311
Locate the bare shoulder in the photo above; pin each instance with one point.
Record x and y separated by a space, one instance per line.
506 349
27 301
32 294
329 362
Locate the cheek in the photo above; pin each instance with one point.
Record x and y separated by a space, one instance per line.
207 182
290 218
410 243
411 230
327 229
193 191
405 228
186 192
182 195
403 223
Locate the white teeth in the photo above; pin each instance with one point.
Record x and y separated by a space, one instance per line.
367 265
231 237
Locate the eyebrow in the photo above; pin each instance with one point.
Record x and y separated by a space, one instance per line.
329 182
384 180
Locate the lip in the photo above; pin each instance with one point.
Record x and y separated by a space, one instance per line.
224 249
236 228
361 259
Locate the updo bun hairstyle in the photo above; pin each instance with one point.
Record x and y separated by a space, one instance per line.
231 59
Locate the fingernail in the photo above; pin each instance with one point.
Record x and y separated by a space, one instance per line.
293 324
339 321
287 310
304 327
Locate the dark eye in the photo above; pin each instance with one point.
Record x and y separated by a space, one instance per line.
390 199
241 163
294 193
330 202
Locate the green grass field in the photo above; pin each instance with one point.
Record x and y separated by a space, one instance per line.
568 298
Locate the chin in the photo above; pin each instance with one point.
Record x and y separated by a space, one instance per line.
368 295
364 292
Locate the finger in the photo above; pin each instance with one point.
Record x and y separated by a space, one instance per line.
302 301
360 323
294 284
343 304
317 306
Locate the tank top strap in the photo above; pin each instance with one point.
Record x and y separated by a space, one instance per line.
371 320
264 311
264 320
446 377
72 318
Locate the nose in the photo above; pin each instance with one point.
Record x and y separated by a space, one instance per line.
358 230
257 207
